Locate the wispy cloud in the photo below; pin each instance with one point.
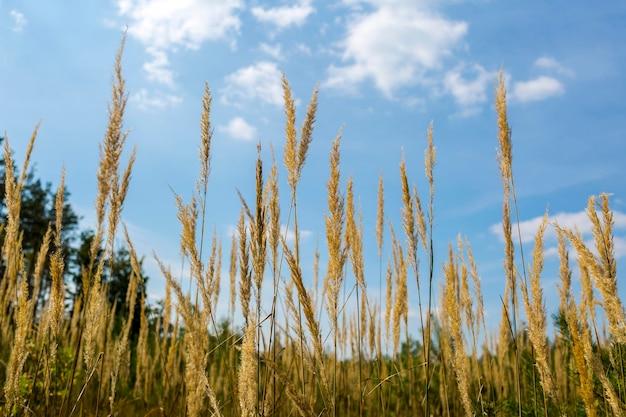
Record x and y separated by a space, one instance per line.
158 69
290 236
238 128
285 232
551 64
283 17
375 47
146 100
468 85
260 81
275 51
540 88
19 21
579 220
303 48
164 26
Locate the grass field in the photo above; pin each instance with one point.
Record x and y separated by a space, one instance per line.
334 352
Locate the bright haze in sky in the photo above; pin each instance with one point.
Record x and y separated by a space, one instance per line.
385 69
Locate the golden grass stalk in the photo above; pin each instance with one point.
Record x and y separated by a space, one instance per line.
10 248
445 356
290 158
258 233
505 336
602 268
505 159
565 273
585 373
373 331
215 282
465 296
536 315
202 182
111 194
120 354
19 351
380 235
57 265
595 366
197 319
452 313
171 364
411 212
258 248
606 283
308 308
316 275
587 297
136 282
114 138
233 276
196 351
388 299
272 194
354 247
408 218
12 245
53 319
245 276
93 315
146 361
478 295
247 378
505 152
353 238
40 263
111 189
380 215
429 166
295 151
400 305
301 403
204 150
334 230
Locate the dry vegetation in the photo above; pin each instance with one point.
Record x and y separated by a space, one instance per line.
361 360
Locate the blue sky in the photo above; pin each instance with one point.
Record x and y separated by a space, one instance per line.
385 70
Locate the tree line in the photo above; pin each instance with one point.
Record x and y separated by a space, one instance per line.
37 214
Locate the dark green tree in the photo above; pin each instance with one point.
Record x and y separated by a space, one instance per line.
37 214
116 276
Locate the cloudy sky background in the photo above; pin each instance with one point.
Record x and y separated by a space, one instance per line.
385 70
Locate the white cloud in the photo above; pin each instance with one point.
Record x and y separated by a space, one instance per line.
238 128
540 88
579 220
619 249
290 236
159 68
284 16
395 46
261 81
163 26
19 21
469 93
285 232
154 101
275 51
303 49
551 64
